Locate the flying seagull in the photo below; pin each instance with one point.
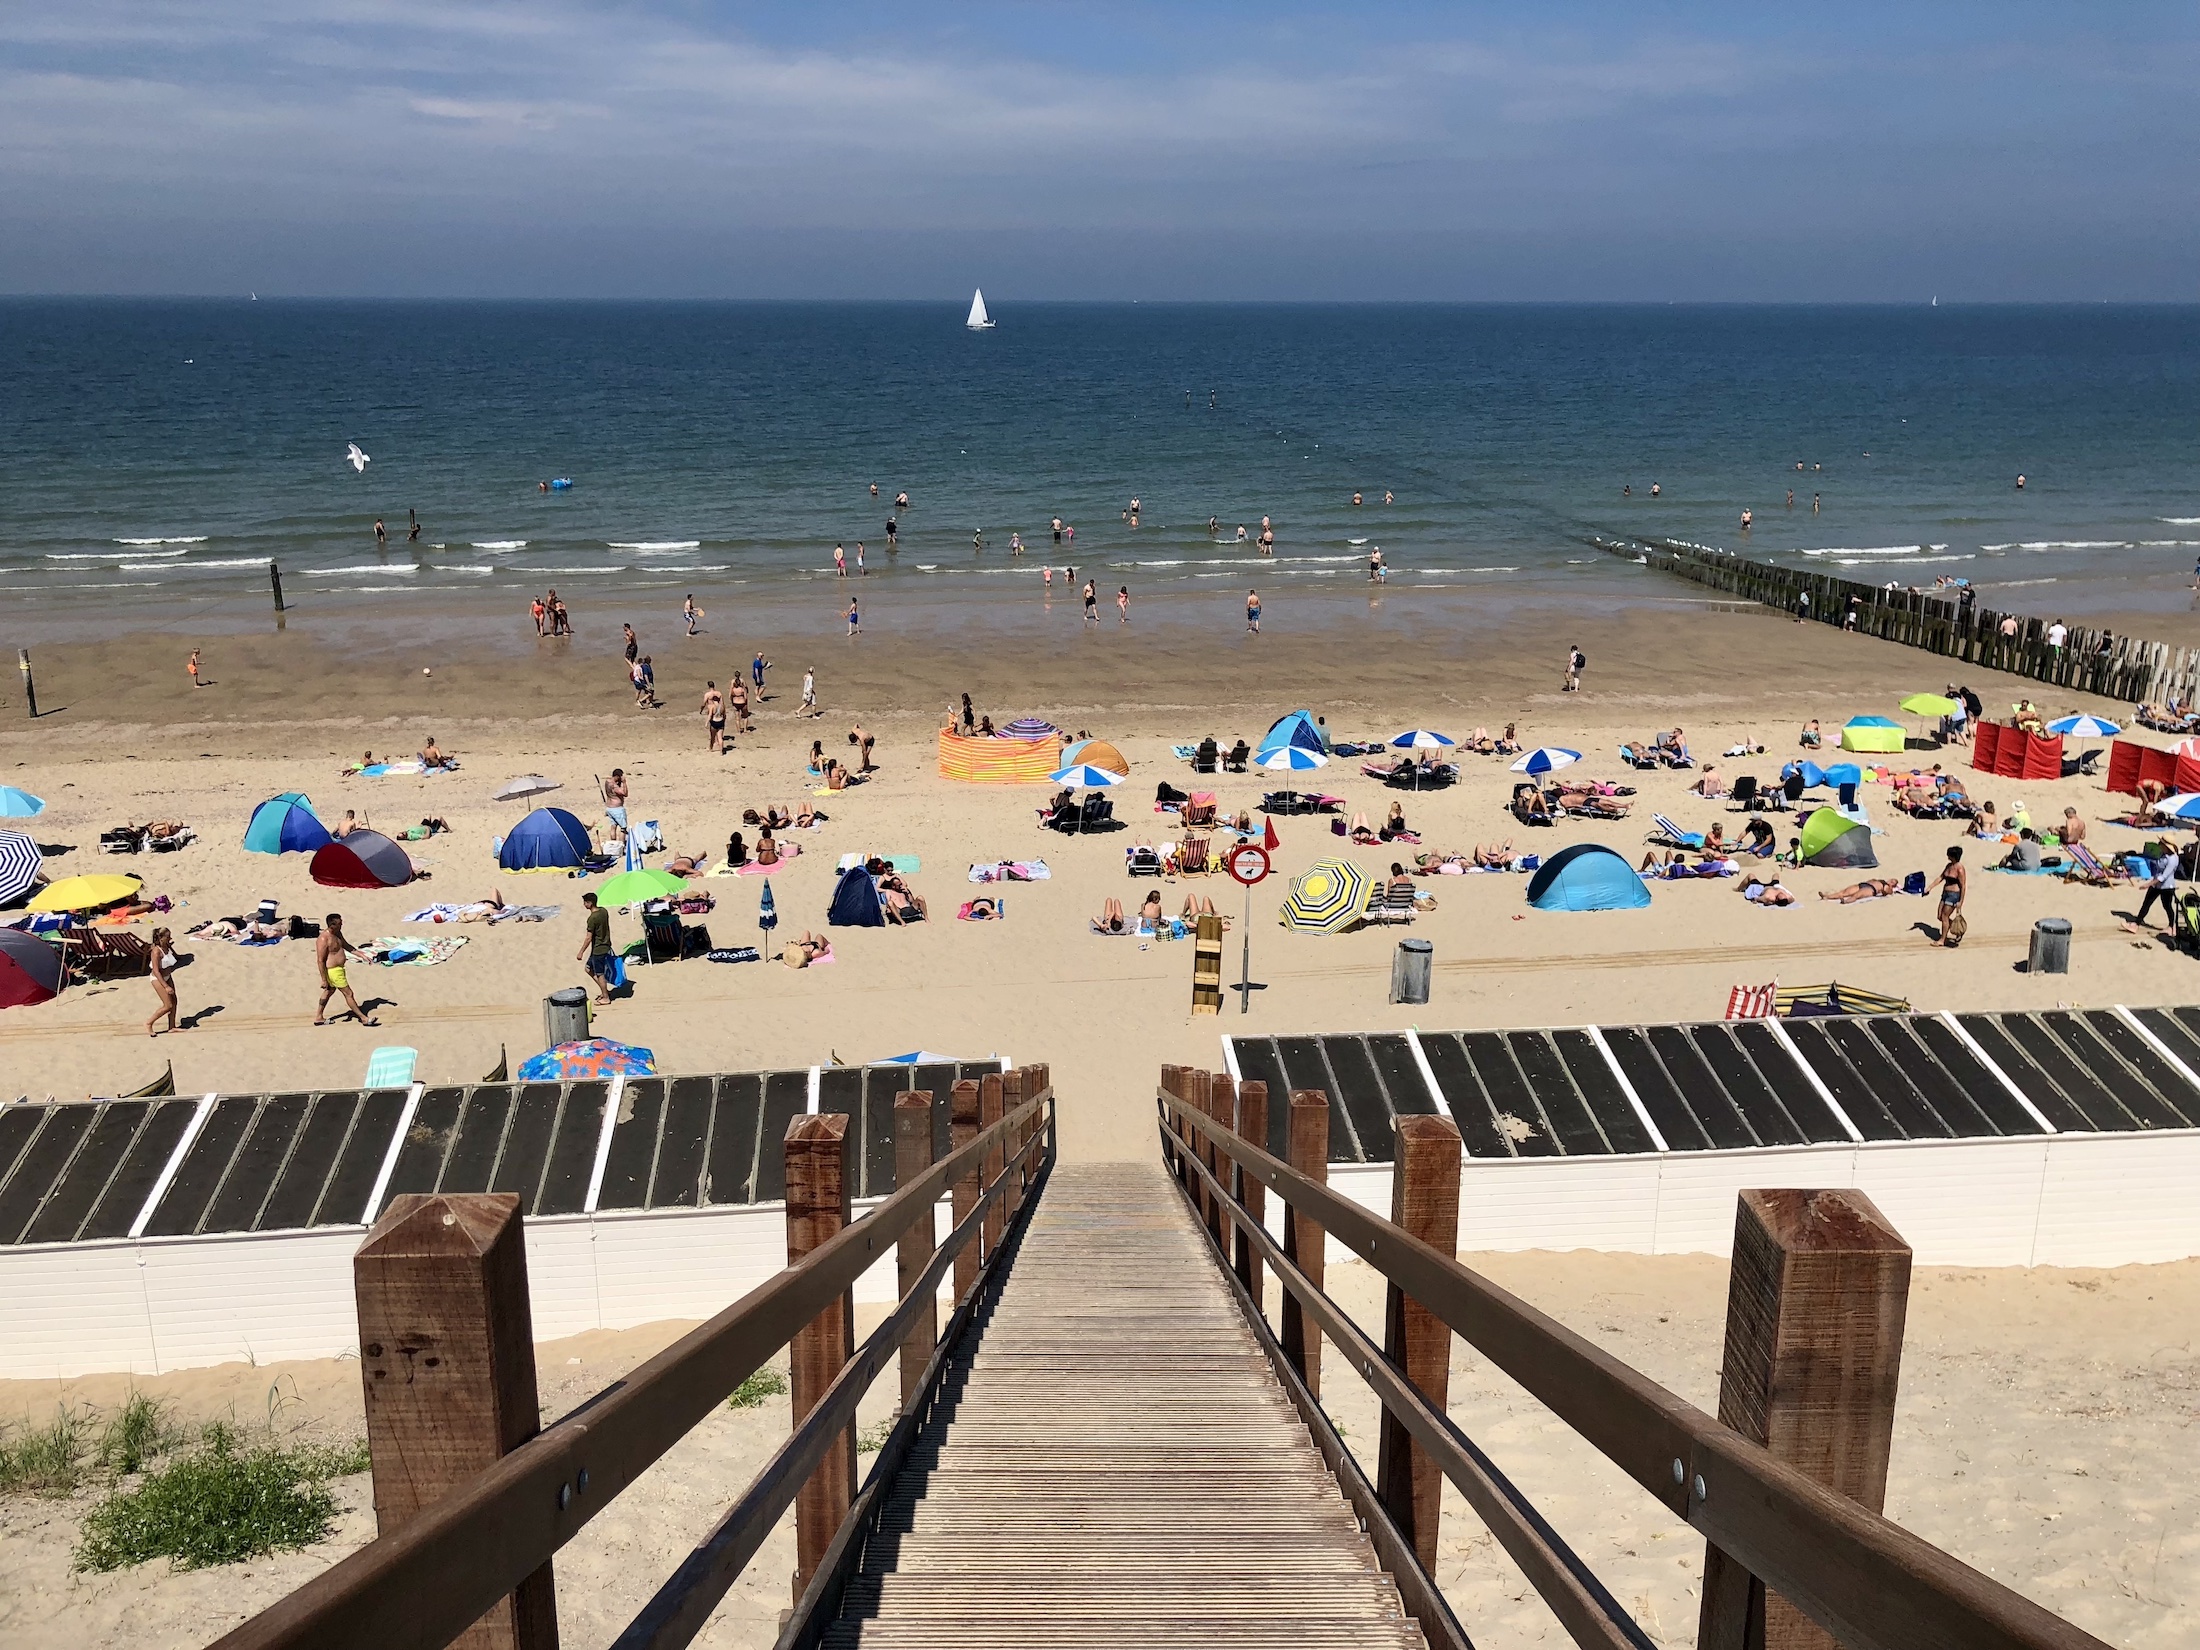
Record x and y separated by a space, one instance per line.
359 460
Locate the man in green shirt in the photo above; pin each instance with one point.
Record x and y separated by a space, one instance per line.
596 951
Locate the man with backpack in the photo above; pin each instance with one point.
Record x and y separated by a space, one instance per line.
1576 662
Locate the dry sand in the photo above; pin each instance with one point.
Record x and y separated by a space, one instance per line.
2047 1417
2045 1433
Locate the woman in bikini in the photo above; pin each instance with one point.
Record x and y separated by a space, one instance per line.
164 983
1110 920
810 948
1869 888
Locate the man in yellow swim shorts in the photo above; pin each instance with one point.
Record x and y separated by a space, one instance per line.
329 955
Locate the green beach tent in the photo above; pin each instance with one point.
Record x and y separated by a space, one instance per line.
1833 839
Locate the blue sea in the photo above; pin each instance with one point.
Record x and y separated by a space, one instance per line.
155 456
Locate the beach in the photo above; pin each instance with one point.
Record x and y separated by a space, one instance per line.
2034 1454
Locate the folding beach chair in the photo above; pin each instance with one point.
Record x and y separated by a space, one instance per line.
2085 866
1387 904
106 956
1098 810
390 1068
1142 860
1674 834
1206 759
1192 858
661 929
1752 1002
1200 810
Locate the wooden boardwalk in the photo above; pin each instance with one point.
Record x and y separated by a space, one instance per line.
1115 1466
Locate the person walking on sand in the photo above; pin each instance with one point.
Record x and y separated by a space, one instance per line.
542 614
633 644
1123 603
692 613
164 982
714 716
595 953
1252 611
809 691
855 619
861 570
757 667
1955 882
737 695
614 798
192 665
330 953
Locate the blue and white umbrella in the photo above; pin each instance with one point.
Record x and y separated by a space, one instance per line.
1423 739
1291 757
2084 727
1085 774
767 912
19 861
1546 759
2183 806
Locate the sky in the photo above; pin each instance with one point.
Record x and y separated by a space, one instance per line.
1200 150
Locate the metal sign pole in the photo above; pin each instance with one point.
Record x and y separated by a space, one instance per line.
1245 976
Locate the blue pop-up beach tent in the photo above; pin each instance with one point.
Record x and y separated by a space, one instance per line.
285 825
1587 877
855 901
1297 729
547 839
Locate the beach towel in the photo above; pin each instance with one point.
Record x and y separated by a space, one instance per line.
907 864
1012 870
390 1068
787 851
410 768
393 950
1183 753
733 954
524 913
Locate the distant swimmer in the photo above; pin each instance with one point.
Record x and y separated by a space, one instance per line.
1655 489
357 459
1046 574
1092 603
1242 534
1210 400
893 532
1387 499
1355 499
381 533
2020 484
1015 544
1375 565
1745 521
1213 526
1627 491
1791 498
977 541
874 485
1057 529
1798 464
1814 504
901 501
412 533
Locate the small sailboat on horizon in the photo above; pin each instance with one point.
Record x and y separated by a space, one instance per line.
979 321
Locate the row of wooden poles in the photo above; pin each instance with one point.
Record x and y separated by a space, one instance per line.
1817 1298
2126 669
447 1344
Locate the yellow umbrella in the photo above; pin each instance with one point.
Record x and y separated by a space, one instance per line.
87 893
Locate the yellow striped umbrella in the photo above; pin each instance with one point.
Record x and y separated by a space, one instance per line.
1327 896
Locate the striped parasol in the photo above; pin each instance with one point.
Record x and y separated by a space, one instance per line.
19 860
1328 895
1292 757
1029 727
1423 739
2085 727
1546 759
2185 805
1090 777
767 911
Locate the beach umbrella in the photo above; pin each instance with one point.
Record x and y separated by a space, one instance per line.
87 893
1928 704
1327 895
527 784
15 804
30 969
1844 773
2185 805
767 913
591 1057
922 1057
1422 739
1086 775
1546 759
19 861
1292 757
2084 727
1029 727
633 887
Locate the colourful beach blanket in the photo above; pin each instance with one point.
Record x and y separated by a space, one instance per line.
1012 870
392 950
412 768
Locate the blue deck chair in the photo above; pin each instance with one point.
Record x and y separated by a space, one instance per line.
1666 828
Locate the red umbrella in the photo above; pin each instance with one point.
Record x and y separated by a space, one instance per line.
30 969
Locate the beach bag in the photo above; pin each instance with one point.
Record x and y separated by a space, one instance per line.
1953 928
1914 883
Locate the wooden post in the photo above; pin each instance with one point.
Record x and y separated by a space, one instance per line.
1195 1100
1252 1125
1222 1107
962 1128
817 1210
1304 1243
1424 1199
990 1113
913 1252
1013 1088
1816 1299
275 579
1172 1084
447 1357
30 687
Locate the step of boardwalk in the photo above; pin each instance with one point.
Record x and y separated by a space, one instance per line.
1115 1465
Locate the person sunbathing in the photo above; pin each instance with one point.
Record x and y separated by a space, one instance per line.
1529 807
737 851
1399 883
1240 754
1508 742
1869 888
893 885
767 850
807 949
1710 786
1479 742
1394 825
816 766
836 776
1987 823
685 865
1110 920
1149 912
2028 717
807 818
1362 832
433 758
1811 738
1766 892
1197 906
1494 856
981 909
349 823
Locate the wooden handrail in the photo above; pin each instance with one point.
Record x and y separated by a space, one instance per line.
1866 1580
425 1584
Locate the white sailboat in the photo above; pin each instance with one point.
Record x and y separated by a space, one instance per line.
979 321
